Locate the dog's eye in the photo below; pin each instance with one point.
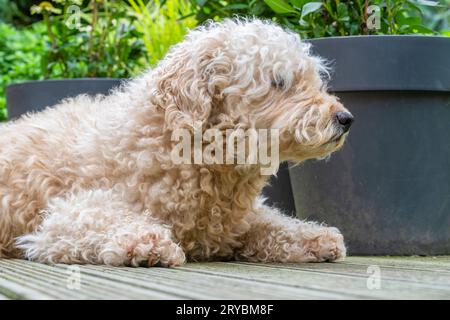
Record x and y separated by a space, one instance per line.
278 83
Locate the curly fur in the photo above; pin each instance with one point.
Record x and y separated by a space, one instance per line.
91 179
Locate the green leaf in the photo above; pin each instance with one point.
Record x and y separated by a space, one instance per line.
342 12
310 7
280 6
201 2
420 29
3 113
257 8
428 3
303 23
403 19
236 6
414 7
298 3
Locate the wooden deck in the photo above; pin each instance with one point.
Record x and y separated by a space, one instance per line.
355 278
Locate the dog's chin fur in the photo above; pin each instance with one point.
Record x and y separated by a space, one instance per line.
298 154
92 181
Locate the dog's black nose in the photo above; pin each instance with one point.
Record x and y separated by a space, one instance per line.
345 119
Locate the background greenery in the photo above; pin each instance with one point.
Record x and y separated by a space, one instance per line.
45 39
313 19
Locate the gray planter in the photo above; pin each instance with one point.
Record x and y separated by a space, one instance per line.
388 190
36 95
278 192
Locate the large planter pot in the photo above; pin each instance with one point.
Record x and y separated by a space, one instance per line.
36 95
388 190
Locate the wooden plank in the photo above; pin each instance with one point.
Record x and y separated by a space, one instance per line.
17 291
32 281
91 287
210 286
2 297
401 277
435 263
429 278
336 283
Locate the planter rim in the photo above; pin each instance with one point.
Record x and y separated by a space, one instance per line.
36 95
381 36
386 62
62 80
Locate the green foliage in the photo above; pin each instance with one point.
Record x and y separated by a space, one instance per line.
19 57
89 38
162 25
16 12
99 40
312 19
8 11
438 18
110 38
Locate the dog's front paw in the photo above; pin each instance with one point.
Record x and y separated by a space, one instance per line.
147 249
151 250
326 244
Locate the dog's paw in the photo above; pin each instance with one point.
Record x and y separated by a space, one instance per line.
326 245
144 249
152 250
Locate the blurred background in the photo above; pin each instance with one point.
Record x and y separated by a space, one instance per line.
118 39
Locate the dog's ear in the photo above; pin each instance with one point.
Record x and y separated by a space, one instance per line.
186 83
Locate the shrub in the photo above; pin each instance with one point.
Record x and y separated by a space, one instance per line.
312 19
98 40
17 12
111 38
19 57
92 38
162 24
105 38
438 17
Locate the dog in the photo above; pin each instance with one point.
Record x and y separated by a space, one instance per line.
92 180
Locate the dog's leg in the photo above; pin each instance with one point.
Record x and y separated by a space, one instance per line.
274 237
97 227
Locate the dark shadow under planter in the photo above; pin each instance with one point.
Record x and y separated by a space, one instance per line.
36 95
388 190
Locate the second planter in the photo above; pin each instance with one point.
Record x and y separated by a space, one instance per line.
388 190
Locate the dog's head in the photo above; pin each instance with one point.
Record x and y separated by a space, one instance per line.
252 74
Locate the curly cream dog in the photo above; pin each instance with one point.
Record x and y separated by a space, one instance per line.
92 180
